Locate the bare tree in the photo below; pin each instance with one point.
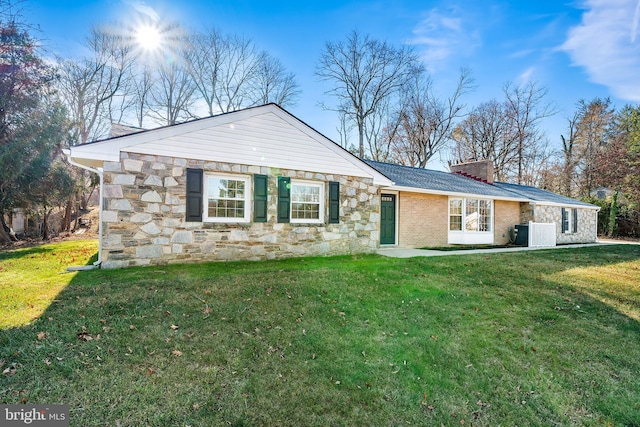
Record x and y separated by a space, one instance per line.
426 121
569 155
344 129
89 85
364 73
483 135
142 84
378 130
273 83
229 73
172 93
223 69
526 106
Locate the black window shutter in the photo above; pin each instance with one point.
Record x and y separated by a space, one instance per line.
194 195
575 220
565 219
334 202
284 199
260 190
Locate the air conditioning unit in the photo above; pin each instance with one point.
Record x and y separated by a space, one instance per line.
522 234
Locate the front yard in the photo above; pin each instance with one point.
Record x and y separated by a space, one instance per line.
530 338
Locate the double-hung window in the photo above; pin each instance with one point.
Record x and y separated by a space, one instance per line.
307 202
227 198
455 214
569 220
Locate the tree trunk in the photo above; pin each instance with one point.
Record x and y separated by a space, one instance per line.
6 235
613 213
361 140
45 225
66 221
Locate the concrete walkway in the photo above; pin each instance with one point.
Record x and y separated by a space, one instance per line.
395 252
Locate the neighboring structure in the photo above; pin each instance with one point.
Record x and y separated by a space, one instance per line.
437 208
260 184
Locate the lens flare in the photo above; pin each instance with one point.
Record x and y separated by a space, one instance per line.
148 37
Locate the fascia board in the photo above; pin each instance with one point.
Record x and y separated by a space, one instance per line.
457 194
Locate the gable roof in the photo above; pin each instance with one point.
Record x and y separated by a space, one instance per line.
262 136
419 180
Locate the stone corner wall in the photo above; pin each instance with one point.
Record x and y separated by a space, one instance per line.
587 223
145 206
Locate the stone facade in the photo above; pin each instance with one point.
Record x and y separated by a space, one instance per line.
145 206
587 222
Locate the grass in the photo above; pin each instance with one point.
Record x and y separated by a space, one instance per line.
531 338
31 278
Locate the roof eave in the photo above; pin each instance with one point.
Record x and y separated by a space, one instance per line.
565 205
454 193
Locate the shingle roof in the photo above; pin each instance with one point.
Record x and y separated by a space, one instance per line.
439 181
539 195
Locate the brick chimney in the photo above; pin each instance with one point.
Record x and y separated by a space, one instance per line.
481 170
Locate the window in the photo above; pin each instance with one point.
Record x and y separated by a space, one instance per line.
307 202
227 198
455 214
471 215
475 214
484 215
569 220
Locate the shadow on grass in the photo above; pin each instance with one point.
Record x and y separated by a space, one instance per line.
15 253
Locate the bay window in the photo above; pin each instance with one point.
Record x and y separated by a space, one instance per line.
468 216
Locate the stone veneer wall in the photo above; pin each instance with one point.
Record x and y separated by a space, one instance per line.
144 217
587 222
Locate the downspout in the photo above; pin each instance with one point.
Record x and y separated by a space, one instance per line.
100 172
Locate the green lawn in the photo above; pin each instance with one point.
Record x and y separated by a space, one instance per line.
530 338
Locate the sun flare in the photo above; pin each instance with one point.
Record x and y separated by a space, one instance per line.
148 37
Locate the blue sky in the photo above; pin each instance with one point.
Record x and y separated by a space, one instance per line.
577 49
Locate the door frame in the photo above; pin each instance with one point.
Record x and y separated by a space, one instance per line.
396 195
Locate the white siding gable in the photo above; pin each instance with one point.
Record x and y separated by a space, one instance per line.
261 136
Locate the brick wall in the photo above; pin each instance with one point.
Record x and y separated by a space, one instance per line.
505 215
423 220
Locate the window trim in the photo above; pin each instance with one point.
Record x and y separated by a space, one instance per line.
572 221
321 207
248 198
460 215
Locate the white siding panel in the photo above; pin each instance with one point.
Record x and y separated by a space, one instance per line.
264 140
262 136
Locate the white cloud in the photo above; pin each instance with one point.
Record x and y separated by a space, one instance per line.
605 44
636 17
143 8
525 76
441 35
